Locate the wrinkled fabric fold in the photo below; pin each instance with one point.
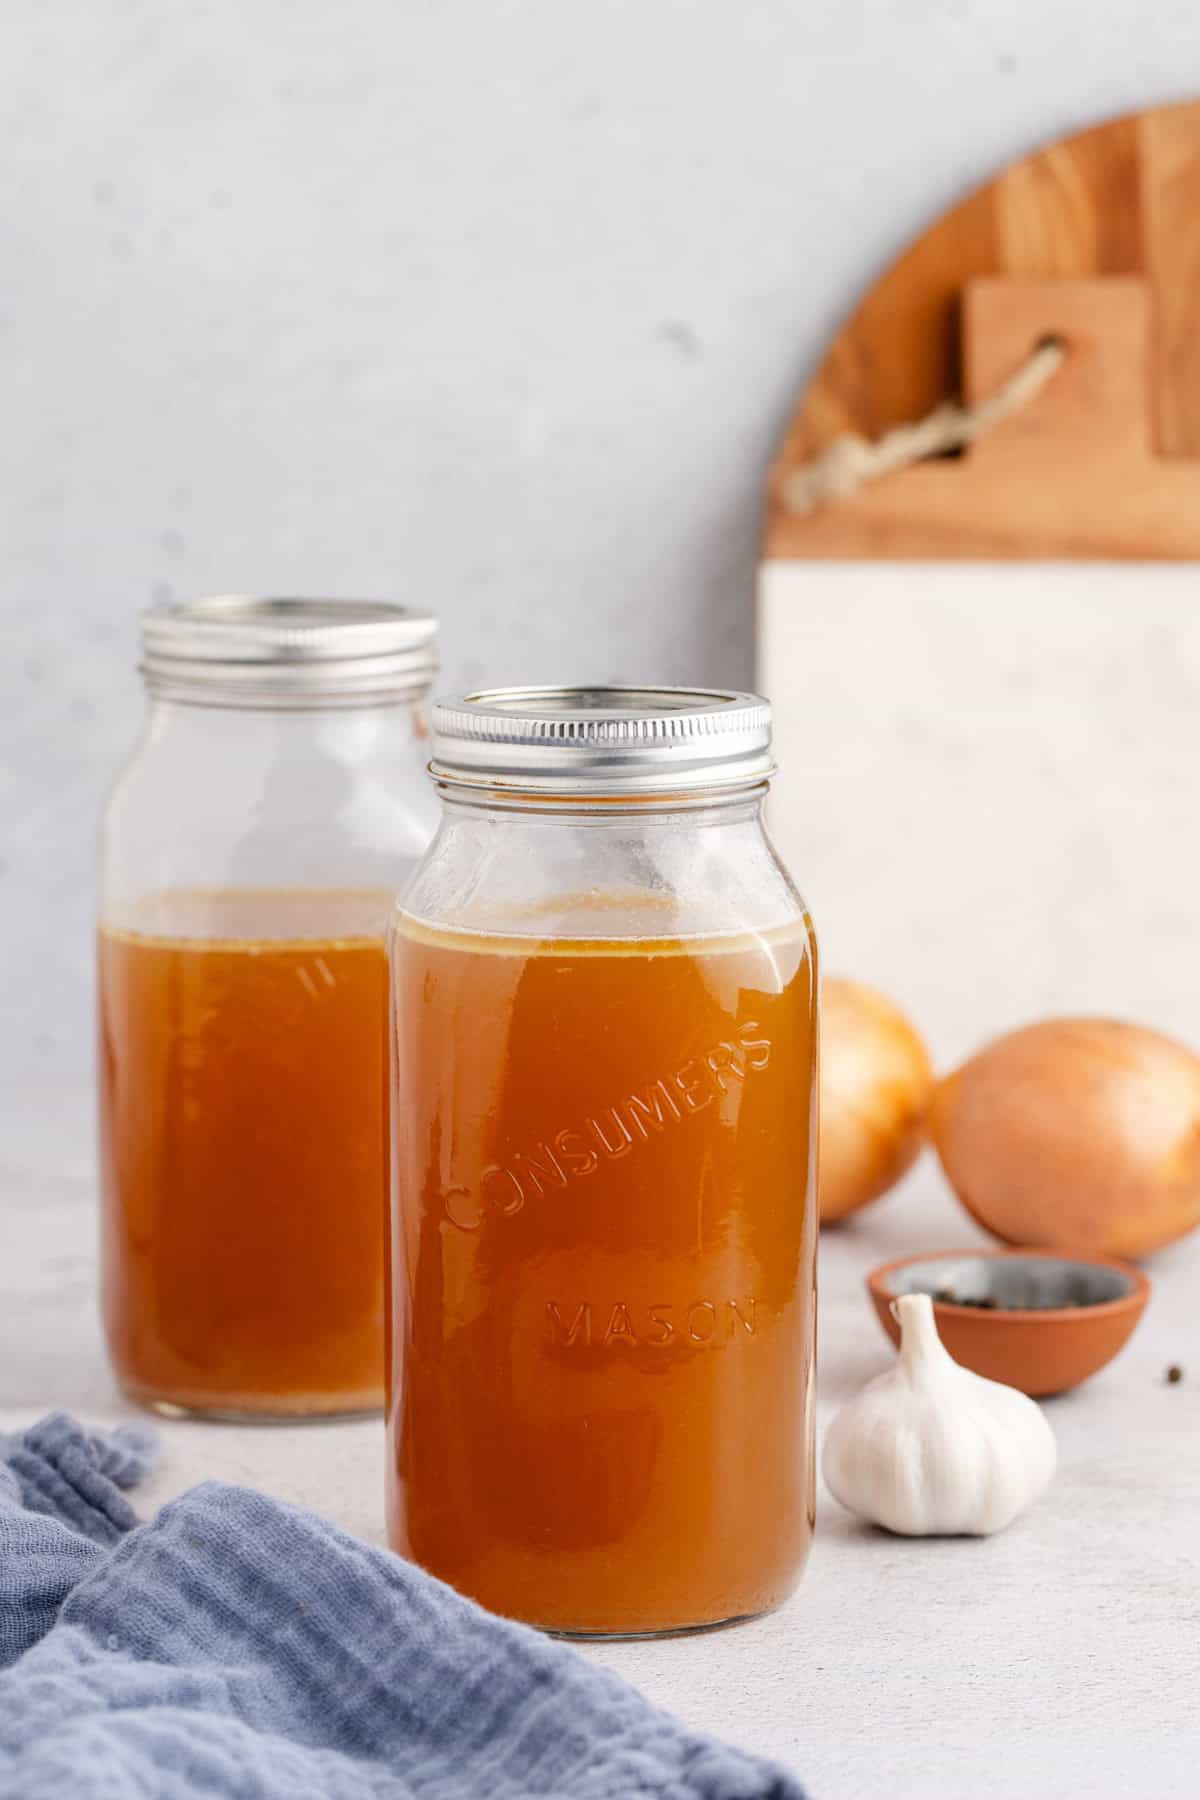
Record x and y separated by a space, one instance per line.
240 1646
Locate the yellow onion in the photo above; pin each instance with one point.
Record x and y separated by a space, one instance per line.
876 1086
1076 1134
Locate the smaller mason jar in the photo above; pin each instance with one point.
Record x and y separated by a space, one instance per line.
604 1013
251 852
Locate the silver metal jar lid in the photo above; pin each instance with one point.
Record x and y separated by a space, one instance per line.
602 740
238 649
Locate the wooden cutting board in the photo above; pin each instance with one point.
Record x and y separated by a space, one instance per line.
986 667
1096 240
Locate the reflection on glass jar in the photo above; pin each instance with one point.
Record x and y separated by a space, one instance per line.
604 1001
252 850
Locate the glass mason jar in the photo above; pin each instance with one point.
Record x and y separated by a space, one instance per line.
604 1005
251 852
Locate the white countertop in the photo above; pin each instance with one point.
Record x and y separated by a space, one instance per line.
1059 1661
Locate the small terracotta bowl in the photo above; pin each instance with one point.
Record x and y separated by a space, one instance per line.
1050 1320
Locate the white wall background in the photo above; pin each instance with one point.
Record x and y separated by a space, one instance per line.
495 305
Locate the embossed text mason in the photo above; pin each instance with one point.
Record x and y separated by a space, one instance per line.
604 1134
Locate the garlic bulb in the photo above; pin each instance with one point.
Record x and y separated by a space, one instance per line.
929 1449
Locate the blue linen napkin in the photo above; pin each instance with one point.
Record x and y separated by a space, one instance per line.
241 1647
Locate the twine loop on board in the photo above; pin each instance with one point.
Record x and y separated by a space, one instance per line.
850 462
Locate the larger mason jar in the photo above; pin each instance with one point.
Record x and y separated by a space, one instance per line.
252 850
604 1002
